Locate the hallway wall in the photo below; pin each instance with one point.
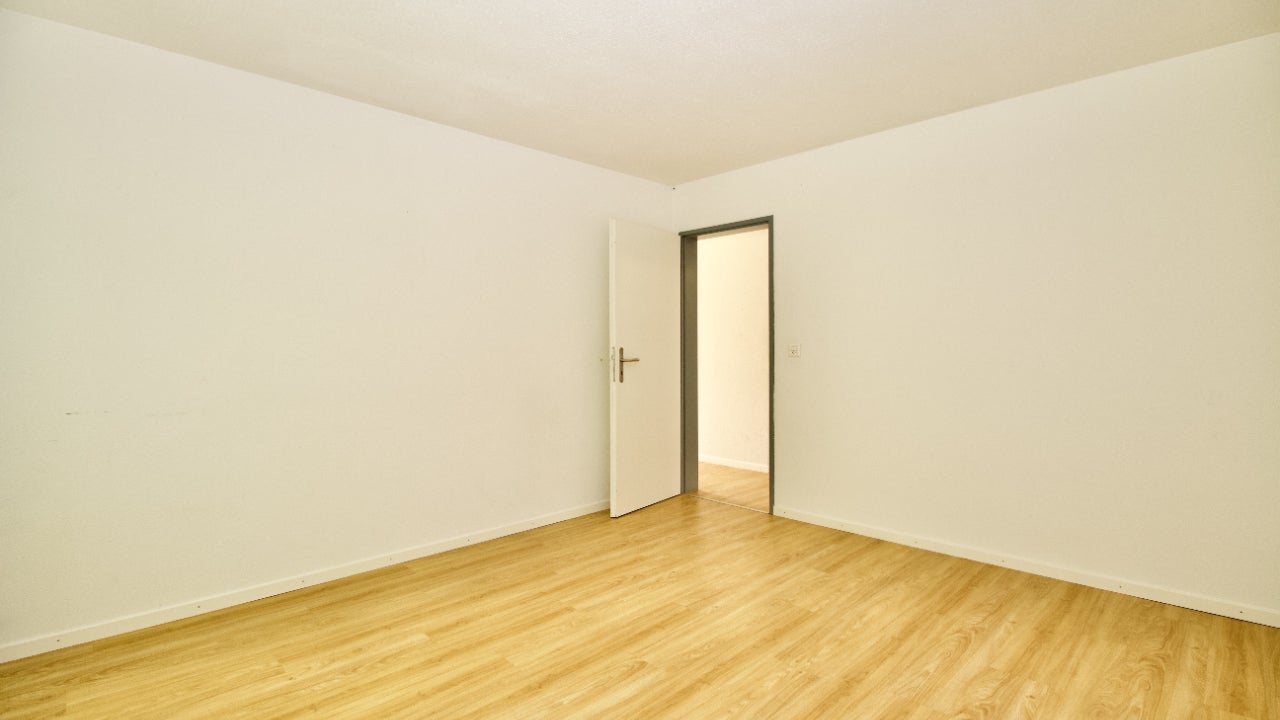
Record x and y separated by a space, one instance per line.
733 349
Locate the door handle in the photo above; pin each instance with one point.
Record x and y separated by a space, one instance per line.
622 364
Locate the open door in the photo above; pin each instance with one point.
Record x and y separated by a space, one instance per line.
644 388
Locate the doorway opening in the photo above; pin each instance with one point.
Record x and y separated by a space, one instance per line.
727 363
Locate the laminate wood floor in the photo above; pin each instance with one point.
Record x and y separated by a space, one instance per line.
686 609
744 488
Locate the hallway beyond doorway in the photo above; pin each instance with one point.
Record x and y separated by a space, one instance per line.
742 488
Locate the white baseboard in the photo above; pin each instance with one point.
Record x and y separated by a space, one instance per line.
739 464
1216 606
97 631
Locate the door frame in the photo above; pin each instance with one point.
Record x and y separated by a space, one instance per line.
689 349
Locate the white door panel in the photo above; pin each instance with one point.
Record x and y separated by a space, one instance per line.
644 322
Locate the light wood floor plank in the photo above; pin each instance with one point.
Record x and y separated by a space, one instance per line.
684 609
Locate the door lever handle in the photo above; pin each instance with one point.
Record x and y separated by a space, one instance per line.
622 364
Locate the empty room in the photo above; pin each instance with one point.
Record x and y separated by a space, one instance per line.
347 370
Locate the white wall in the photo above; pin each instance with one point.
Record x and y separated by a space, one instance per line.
733 349
250 331
1044 332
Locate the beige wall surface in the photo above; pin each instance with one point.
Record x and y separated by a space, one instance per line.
733 349
251 332
1043 332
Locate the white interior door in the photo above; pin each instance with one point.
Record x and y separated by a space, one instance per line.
644 390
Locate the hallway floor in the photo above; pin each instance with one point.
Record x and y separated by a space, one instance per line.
743 488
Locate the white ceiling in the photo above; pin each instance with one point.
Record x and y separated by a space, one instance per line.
674 90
